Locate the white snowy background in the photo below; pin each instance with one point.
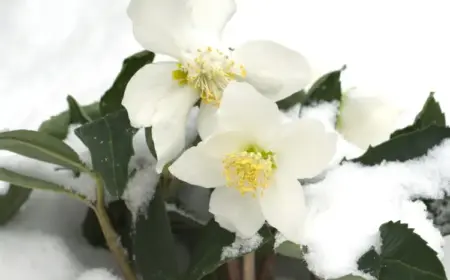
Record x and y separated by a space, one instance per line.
51 48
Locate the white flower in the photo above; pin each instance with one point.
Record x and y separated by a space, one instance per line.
365 121
254 160
161 94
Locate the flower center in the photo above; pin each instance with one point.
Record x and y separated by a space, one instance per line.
209 73
249 171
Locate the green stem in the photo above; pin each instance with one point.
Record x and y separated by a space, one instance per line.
111 237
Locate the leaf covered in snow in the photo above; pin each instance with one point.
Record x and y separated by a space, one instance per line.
153 242
405 147
110 141
431 114
326 89
404 255
216 246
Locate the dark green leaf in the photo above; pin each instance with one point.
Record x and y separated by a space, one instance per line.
154 245
110 141
58 126
431 114
290 101
112 99
405 147
404 255
150 143
40 146
206 257
30 182
11 202
77 114
326 89
121 220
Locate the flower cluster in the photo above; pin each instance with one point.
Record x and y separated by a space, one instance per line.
249 153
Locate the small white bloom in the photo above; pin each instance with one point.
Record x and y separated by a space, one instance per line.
161 94
254 160
366 120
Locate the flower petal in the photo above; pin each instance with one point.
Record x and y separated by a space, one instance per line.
195 167
173 26
367 121
169 125
304 148
276 71
212 15
145 89
283 206
221 144
159 25
243 108
207 120
240 212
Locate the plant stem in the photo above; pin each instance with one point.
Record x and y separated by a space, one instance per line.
111 237
248 268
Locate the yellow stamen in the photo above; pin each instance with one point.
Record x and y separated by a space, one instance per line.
249 171
209 73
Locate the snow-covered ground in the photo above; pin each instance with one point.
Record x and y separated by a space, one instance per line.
51 48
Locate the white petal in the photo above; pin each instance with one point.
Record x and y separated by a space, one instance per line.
160 25
212 15
276 71
169 125
242 212
145 89
207 120
366 121
173 26
195 167
243 108
305 148
221 144
283 206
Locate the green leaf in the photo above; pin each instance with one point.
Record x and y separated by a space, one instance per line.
206 257
110 141
406 146
11 202
404 255
40 146
121 220
326 89
58 126
77 114
290 101
431 114
33 183
149 140
154 245
112 99
289 249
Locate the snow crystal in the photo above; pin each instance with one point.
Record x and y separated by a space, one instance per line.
346 209
97 274
140 190
241 246
170 207
279 239
325 112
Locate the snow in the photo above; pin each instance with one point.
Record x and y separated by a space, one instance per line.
241 247
346 209
52 48
97 274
